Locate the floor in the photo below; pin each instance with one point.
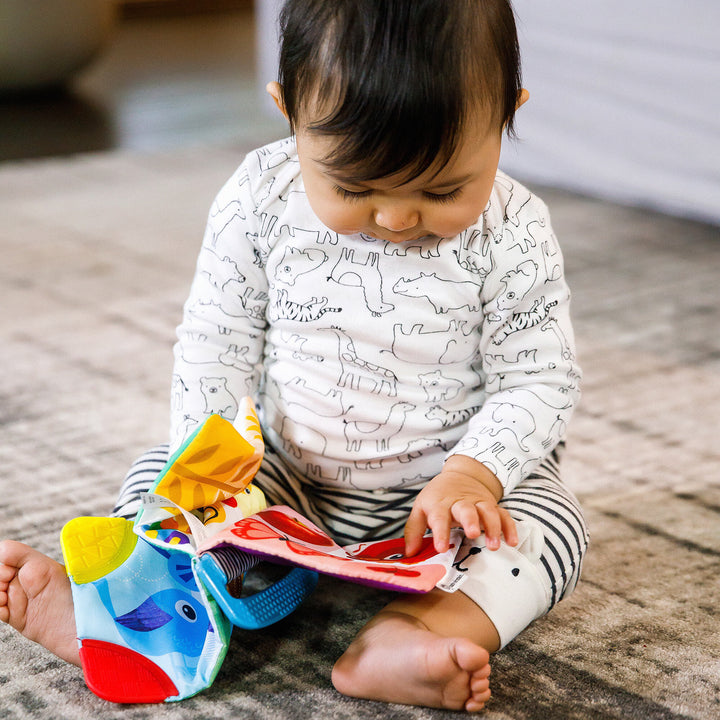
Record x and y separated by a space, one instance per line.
163 82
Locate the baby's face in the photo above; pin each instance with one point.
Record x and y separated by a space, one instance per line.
439 205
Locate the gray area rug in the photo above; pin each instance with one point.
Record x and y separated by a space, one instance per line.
97 254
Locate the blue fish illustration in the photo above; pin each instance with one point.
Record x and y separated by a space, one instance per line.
168 621
171 620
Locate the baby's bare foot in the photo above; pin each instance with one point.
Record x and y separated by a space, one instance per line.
396 658
36 599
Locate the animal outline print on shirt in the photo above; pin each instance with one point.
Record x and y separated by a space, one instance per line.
422 341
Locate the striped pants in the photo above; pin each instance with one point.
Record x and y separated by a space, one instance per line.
514 586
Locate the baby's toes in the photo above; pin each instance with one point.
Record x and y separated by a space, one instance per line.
473 705
479 685
483 672
479 690
7 573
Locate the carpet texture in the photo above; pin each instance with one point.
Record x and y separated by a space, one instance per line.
97 256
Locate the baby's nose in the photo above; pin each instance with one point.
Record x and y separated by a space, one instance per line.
396 217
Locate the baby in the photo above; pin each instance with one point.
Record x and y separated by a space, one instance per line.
396 307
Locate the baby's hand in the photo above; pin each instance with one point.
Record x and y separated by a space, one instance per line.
464 494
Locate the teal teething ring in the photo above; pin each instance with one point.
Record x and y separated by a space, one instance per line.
263 608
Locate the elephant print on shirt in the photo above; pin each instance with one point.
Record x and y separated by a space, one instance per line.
512 420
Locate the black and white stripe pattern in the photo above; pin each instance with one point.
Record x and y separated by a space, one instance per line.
139 479
352 516
348 516
544 498
233 561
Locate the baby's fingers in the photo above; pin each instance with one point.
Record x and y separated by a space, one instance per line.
465 514
491 521
439 520
509 530
476 518
498 523
414 531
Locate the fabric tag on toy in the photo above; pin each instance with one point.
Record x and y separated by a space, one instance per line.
457 573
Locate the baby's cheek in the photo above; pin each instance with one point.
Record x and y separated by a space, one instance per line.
449 224
341 219
453 221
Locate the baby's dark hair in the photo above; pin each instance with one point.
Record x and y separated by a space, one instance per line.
397 80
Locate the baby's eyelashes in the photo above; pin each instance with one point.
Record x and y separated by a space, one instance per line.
350 194
444 197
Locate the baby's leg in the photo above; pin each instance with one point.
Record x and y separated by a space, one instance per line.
430 650
35 593
36 599
433 649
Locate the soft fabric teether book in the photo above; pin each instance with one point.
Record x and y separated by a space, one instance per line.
153 607
204 502
280 534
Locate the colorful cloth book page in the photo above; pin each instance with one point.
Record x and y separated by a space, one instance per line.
279 534
148 628
206 485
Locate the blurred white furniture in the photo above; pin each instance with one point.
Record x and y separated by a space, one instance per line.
44 42
624 99
267 37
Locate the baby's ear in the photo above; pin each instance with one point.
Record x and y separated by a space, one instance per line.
523 97
274 88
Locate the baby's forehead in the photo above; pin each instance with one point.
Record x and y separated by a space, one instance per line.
326 150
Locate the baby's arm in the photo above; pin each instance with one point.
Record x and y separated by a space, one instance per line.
527 348
464 494
221 338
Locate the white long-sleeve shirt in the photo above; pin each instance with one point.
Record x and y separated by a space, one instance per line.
371 361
